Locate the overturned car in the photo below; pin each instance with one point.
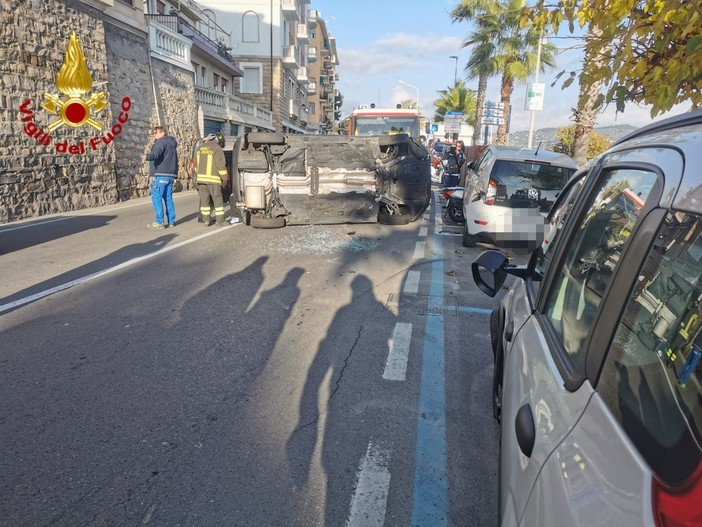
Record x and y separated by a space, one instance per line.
287 179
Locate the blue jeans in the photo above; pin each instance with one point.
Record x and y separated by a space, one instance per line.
162 192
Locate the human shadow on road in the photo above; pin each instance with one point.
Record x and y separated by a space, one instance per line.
355 346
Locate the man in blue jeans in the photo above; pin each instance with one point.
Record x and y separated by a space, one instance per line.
164 154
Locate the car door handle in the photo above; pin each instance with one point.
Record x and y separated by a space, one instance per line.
508 331
525 429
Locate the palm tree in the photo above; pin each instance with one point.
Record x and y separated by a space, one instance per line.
479 64
456 99
408 104
501 46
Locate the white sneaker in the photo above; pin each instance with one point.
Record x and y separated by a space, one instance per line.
234 220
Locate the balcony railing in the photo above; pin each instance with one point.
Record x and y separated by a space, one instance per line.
311 54
185 28
290 55
224 106
170 46
302 34
290 10
302 75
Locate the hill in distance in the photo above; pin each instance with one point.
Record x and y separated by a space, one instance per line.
547 136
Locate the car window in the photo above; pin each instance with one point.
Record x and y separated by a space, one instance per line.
554 226
652 378
592 255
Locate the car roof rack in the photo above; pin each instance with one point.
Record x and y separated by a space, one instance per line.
685 119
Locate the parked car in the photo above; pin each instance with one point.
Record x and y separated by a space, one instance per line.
508 193
597 343
285 179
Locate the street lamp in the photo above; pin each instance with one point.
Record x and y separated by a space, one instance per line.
532 115
455 69
406 84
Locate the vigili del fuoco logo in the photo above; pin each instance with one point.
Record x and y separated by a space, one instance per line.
76 108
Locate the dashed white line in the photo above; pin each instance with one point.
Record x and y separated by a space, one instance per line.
423 232
396 365
419 250
370 499
411 282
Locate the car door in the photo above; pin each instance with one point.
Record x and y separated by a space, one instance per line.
545 390
637 425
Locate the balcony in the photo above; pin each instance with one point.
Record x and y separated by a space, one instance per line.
311 88
223 106
302 77
290 56
290 11
169 46
214 50
311 54
303 36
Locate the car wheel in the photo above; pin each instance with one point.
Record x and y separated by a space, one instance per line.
391 140
265 222
387 217
468 239
455 210
265 138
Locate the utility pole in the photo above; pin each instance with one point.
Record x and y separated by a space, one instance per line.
532 116
455 69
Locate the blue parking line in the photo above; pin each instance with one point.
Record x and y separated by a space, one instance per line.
474 310
430 499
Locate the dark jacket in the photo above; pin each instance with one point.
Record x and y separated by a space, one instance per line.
164 154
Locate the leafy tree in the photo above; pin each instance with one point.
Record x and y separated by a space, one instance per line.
408 104
649 51
566 142
456 99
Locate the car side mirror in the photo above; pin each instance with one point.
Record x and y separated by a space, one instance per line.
490 271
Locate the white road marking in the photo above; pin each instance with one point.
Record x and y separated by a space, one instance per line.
423 232
78 281
419 250
396 365
411 282
370 499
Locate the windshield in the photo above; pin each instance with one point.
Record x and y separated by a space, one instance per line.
386 125
528 184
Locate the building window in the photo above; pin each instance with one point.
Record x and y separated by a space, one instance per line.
250 27
311 108
203 77
234 130
215 81
224 85
126 2
252 81
160 7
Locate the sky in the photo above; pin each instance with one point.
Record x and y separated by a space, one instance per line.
382 42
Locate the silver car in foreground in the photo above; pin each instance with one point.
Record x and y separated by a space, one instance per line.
598 343
508 192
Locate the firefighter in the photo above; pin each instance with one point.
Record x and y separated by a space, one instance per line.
210 176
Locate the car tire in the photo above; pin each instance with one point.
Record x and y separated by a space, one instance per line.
455 210
265 222
265 138
393 140
468 239
393 219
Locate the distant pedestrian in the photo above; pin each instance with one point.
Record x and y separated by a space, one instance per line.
164 154
211 175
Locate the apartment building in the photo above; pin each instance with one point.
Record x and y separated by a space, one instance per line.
186 34
321 90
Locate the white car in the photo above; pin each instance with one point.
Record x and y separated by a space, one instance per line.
598 344
508 192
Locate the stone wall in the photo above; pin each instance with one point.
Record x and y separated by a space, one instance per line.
38 173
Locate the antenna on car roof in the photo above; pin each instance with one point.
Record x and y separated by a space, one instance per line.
537 148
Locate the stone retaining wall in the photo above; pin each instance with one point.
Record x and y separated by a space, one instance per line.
38 173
